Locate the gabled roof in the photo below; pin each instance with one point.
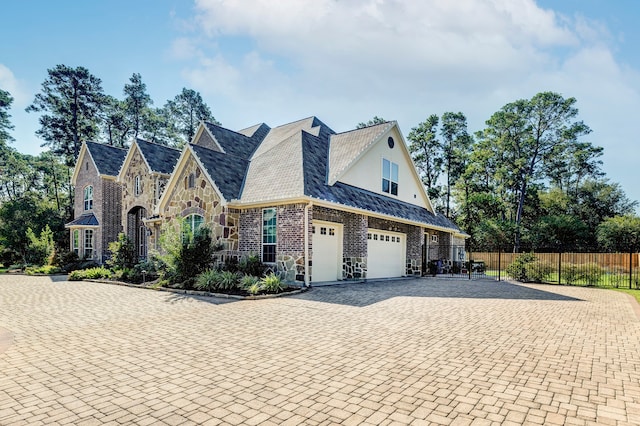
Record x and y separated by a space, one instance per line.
278 134
106 159
235 143
226 171
159 158
87 219
315 186
259 130
345 148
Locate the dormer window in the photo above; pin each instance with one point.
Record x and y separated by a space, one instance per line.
138 185
389 177
88 198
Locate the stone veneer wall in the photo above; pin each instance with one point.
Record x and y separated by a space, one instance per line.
205 201
354 242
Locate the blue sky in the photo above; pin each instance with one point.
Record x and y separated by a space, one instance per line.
275 62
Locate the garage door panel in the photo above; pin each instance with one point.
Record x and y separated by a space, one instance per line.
327 251
385 254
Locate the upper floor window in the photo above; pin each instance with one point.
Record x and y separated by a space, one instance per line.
138 185
269 235
191 180
88 198
389 177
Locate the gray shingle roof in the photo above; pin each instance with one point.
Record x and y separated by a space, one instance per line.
278 134
108 159
87 219
161 158
227 171
237 144
315 152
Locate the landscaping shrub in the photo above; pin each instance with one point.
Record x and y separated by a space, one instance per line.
570 273
271 283
538 271
46 269
123 253
251 265
40 249
208 280
591 273
248 281
90 274
518 270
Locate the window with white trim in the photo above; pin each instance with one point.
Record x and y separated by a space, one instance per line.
193 222
269 235
75 241
434 238
389 177
142 241
88 198
138 185
88 243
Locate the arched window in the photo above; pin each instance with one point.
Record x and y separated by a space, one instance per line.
88 198
192 223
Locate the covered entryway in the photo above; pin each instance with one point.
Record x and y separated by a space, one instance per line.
137 232
327 251
385 254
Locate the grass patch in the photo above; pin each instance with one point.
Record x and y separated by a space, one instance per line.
634 293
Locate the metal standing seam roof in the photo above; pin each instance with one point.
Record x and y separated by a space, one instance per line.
108 159
161 158
87 219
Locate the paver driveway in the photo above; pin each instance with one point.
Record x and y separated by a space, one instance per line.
404 352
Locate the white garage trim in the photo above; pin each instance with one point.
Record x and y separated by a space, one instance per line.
327 251
386 254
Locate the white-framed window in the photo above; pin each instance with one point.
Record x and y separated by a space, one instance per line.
434 238
389 177
194 222
75 241
138 185
269 231
88 243
88 197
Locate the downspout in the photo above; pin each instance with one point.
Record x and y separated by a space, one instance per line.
307 280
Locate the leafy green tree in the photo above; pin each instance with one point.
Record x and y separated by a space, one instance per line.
620 233
426 151
525 133
137 102
456 145
5 118
40 249
115 125
374 121
187 110
70 102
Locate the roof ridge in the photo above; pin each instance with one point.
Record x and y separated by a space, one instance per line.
157 144
298 133
366 127
107 145
230 130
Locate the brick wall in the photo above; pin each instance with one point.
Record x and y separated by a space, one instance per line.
88 175
111 216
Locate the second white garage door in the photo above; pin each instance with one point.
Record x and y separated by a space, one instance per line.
386 254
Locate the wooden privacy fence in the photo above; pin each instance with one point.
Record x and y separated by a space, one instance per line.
604 260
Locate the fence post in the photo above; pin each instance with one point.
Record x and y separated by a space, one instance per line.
559 266
499 262
470 262
630 268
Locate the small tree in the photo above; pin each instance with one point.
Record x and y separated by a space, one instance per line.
40 250
123 253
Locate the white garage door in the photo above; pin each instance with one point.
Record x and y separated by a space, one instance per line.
327 251
386 254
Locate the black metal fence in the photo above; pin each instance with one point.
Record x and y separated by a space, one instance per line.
614 270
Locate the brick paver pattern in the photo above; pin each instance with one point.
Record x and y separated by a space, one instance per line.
421 351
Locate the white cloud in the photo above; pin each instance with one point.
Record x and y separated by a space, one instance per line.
15 87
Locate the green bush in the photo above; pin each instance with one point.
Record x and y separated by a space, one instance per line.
538 271
40 250
591 273
248 280
46 269
271 283
123 253
518 270
212 280
570 273
251 265
90 274
254 288
186 254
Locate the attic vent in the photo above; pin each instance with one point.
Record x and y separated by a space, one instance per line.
86 166
390 142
